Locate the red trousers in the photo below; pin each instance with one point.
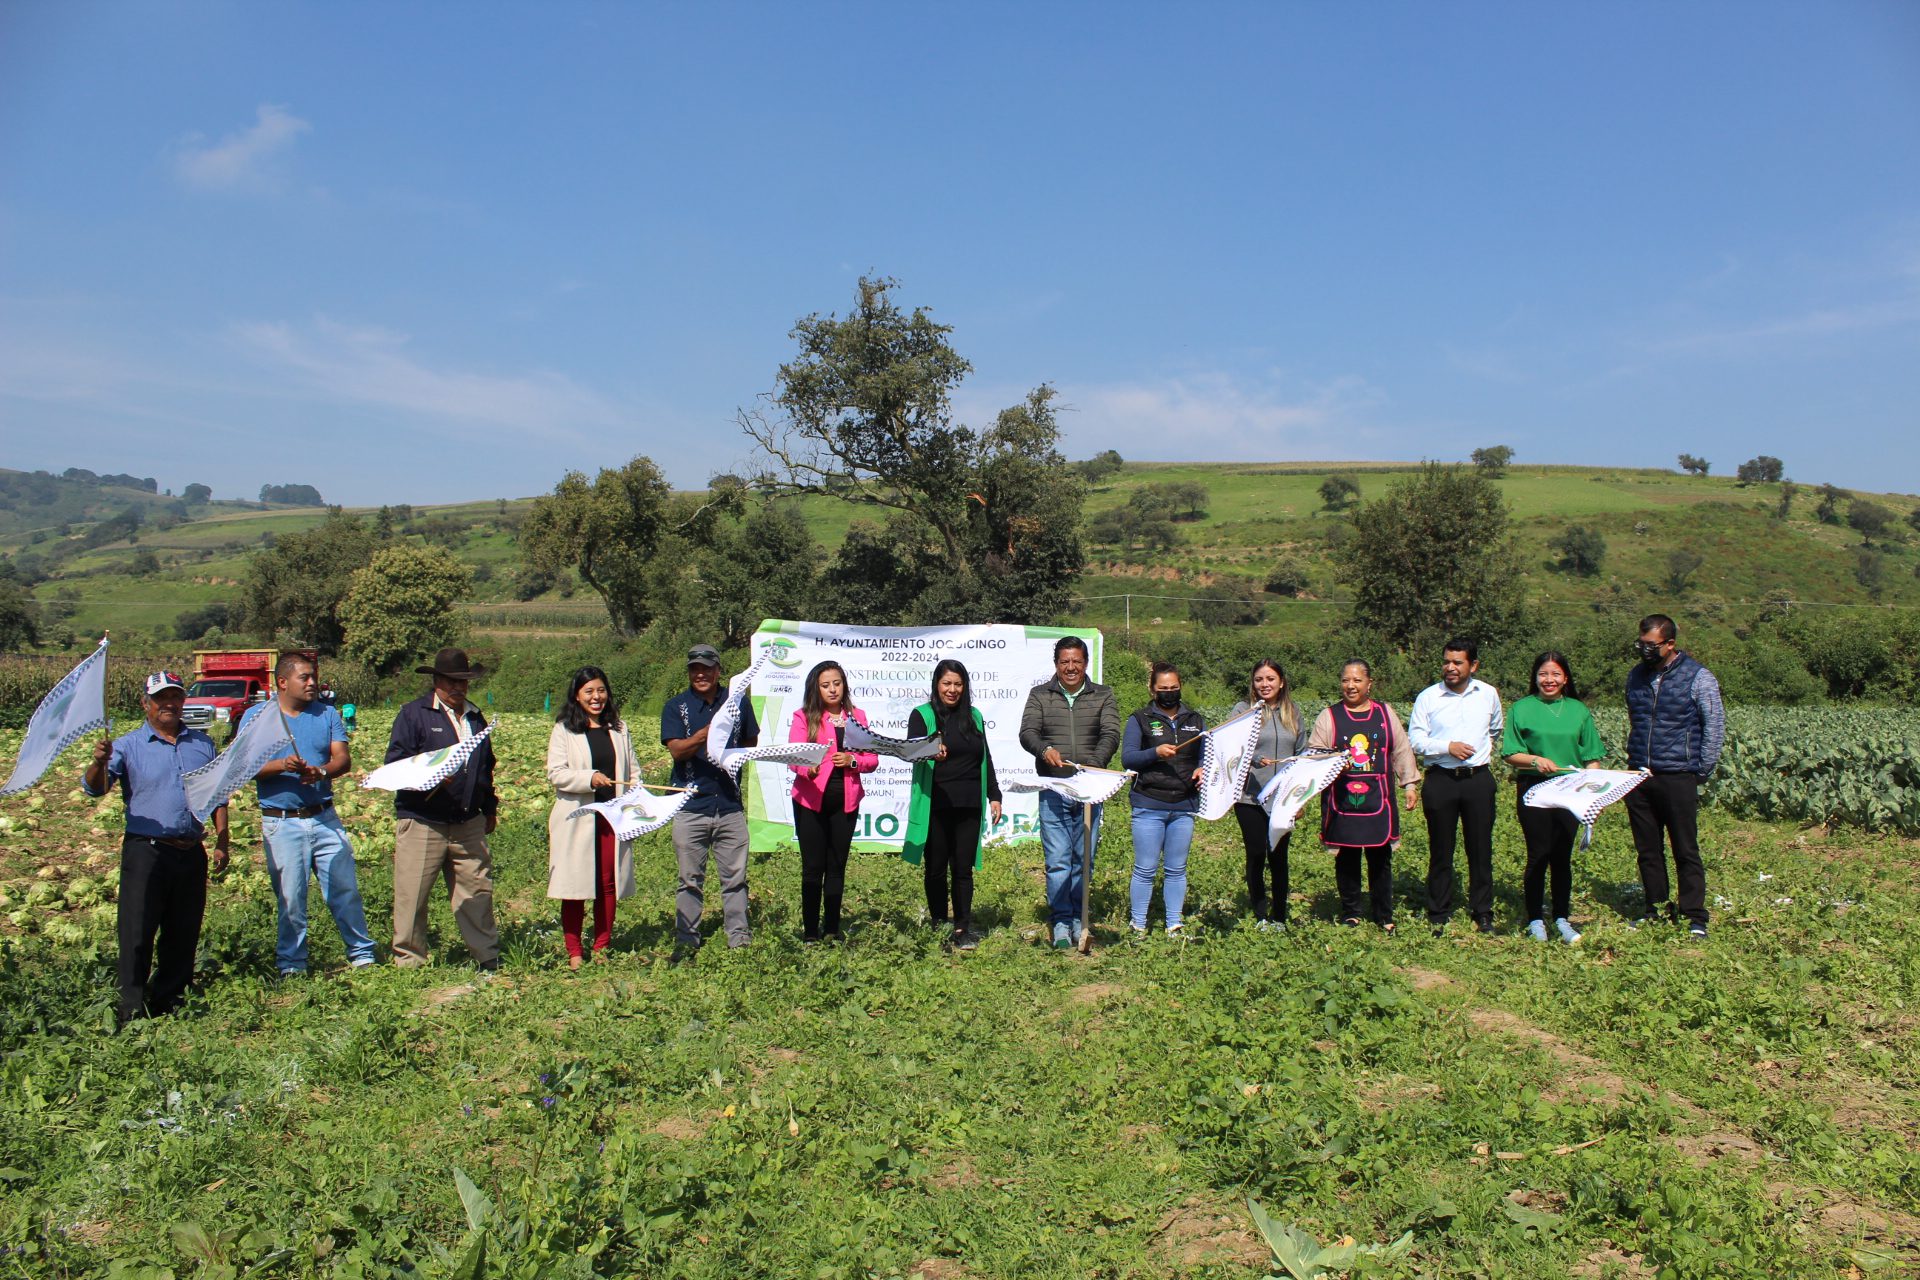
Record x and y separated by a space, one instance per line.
573 910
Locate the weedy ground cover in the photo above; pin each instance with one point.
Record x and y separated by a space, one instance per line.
1637 1105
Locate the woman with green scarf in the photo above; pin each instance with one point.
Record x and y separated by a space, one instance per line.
953 796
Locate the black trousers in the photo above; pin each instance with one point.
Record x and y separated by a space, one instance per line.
163 891
1550 834
953 841
1469 802
1346 879
1666 807
1265 862
824 840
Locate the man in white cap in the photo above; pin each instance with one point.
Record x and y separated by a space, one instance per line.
163 856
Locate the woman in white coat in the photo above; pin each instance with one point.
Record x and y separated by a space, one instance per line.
588 758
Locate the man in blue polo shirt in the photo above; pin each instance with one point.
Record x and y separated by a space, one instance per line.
714 820
163 856
299 827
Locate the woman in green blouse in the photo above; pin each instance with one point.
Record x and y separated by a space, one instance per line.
1548 731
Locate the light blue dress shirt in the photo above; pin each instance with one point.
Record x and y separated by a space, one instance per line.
1441 716
151 772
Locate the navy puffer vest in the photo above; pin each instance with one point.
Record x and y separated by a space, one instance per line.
1665 732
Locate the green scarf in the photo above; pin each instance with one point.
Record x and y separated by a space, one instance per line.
920 804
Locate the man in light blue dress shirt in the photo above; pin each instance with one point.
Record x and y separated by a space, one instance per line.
163 856
1453 729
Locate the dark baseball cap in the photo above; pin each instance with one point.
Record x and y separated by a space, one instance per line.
703 655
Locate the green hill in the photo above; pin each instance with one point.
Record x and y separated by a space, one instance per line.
1255 516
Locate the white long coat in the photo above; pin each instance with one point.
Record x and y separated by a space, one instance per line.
570 843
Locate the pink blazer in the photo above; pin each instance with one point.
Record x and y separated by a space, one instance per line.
809 785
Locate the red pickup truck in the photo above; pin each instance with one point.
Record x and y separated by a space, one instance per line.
228 681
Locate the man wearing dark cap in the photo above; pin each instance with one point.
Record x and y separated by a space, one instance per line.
714 821
163 856
442 833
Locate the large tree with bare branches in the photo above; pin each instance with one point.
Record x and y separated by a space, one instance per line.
978 525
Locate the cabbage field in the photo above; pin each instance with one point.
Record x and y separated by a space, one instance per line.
1232 1104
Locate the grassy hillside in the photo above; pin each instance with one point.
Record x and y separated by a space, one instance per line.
1255 515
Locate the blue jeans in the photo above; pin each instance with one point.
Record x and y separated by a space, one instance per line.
298 848
1062 841
1159 833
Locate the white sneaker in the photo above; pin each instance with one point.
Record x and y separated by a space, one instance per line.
1173 931
1568 934
1536 930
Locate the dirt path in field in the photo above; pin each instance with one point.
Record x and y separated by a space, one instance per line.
1836 1215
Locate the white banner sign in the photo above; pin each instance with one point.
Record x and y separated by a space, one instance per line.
889 673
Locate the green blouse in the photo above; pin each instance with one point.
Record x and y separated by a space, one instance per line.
1561 730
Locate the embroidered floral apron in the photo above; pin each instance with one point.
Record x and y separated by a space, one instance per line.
1357 811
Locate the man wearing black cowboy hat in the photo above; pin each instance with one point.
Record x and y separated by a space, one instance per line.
442 833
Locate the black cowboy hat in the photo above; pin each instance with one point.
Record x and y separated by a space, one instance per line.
452 664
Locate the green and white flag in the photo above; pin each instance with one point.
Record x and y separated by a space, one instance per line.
1085 785
1584 793
258 741
637 813
71 710
860 738
1299 780
1226 753
427 770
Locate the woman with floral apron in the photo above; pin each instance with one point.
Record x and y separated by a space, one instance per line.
1356 813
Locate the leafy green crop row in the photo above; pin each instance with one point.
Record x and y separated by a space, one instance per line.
1836 766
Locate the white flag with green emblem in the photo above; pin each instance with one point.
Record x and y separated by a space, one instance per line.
427 770
71 710
1227 754
258 740
1299 780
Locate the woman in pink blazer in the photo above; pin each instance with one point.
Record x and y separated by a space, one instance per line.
826 800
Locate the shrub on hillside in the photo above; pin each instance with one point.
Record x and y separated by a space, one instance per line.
1582 550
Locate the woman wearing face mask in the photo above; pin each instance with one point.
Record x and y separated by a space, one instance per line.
1161 745
1356 813
826 798
955 800
1283 733
1547 731
588 759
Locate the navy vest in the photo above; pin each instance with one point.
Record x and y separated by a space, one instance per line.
1665 732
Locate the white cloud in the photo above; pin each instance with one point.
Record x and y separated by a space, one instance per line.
1219 417
1849 318
239 160
372 366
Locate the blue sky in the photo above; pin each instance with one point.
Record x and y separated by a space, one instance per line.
428 252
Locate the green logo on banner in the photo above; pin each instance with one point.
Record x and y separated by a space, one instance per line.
782 653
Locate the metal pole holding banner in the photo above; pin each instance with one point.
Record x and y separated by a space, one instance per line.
1086 880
